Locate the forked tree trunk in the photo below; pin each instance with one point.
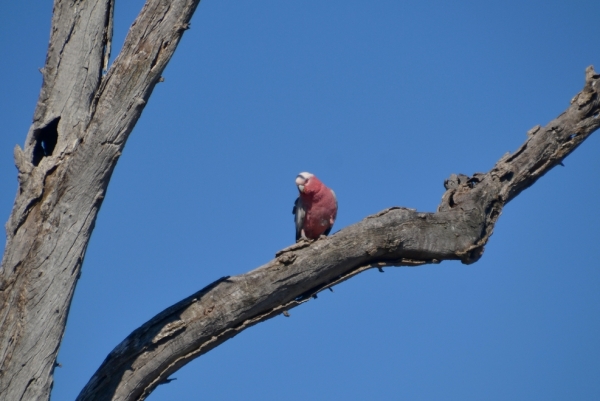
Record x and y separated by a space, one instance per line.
81 123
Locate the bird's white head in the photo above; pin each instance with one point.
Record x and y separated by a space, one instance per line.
302 180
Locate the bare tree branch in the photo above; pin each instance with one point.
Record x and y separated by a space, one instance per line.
394 237
81 123
80 126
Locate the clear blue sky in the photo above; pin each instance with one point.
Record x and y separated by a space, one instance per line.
383 101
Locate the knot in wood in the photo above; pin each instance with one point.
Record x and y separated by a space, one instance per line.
395 243
287 258
455 180
503 171
585 97
208 310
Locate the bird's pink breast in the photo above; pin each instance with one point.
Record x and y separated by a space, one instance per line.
321 211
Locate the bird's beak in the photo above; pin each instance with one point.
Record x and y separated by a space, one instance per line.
300 181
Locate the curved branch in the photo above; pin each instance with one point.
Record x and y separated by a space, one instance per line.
394 237
81 123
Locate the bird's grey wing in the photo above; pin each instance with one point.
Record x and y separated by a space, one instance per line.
336 206
299 213
334 197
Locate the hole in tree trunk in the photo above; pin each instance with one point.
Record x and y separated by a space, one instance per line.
45 141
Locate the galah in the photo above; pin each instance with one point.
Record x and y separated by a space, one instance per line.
315 209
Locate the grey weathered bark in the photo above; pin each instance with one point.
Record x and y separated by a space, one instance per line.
81 122
80 126
394 237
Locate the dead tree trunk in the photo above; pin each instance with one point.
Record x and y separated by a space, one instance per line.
81 123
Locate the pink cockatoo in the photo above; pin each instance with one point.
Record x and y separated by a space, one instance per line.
315 209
